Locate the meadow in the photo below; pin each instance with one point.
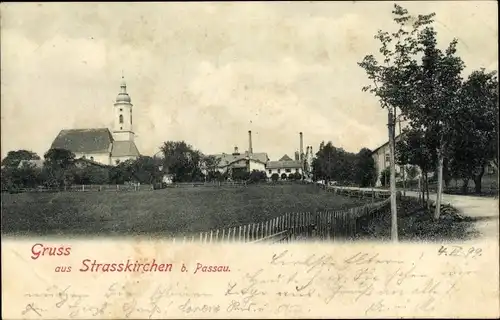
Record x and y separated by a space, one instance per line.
166 212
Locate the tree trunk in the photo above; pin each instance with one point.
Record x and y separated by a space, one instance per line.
465 185
478 179
427 191
437 211
394 215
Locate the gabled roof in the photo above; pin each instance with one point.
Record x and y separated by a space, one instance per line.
285 158
226 158
293 164
124 148
84 140
396 138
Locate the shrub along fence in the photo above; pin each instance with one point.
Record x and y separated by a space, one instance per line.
327 225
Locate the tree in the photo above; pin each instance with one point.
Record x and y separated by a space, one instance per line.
365 171
275 177
58 169
418 147
211 164
13 158
182 161
474 136
391 79
436 84
145 170
332 163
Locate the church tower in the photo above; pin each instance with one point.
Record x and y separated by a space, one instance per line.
122 127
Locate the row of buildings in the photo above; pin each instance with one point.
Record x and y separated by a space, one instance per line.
110 147
249 160
104 146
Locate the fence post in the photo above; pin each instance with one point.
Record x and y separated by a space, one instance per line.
206 236
239 234
211 235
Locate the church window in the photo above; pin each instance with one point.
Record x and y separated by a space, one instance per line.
121 118
121 128
121 109
130 118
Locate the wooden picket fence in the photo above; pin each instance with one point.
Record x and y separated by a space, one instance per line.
89 188
292 227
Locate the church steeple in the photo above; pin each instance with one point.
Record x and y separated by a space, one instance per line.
123 95
122 130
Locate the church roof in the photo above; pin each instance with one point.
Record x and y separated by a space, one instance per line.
96 140
124 148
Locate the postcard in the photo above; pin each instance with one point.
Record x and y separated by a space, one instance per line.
247 160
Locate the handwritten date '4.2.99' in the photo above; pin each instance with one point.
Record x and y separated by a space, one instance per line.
459 251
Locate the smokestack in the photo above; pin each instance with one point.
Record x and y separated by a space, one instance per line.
250 149
301 151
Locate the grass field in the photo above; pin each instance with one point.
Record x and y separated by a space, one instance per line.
163 212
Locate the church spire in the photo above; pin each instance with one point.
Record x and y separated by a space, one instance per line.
123 96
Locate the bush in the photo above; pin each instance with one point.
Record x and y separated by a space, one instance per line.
257 176
275 177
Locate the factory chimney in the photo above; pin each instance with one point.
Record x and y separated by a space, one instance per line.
250 149
301 151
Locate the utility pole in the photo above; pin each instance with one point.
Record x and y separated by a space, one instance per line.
404 166
394 215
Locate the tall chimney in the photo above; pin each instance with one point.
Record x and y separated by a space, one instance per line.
250 149
301 151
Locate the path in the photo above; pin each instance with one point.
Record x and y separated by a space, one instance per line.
484 209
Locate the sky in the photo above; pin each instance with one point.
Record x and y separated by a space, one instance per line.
208 72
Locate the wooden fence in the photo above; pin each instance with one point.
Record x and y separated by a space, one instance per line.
298 226
88 188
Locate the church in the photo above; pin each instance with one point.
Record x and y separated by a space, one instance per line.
102 145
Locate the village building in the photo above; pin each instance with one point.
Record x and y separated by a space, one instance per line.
284 167
102 145
381 156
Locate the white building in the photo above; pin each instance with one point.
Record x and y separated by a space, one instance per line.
381 156
99 144
284 167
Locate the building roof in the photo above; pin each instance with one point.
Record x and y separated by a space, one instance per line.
385 144
227 158
97 140
31 163
286 158
293 164
124 148
89 162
